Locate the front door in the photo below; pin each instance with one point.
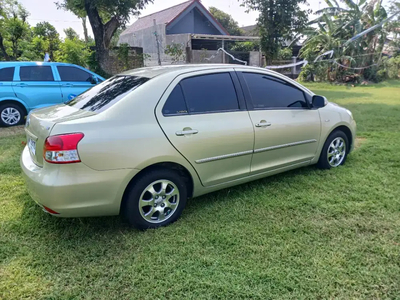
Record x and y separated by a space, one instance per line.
287 131
36 86
74 81
204 118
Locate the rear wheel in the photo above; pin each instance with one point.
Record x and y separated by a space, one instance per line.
155 199
335 150
11 114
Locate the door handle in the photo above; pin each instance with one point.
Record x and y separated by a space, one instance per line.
263 124
21 84
186 132
67 84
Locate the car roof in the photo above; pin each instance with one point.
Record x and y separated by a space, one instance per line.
32 63
151 72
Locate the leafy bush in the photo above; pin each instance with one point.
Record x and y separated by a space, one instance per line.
74 52
392 66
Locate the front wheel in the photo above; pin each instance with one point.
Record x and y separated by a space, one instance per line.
335 150
155 199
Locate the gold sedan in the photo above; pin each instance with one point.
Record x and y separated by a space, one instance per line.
143 142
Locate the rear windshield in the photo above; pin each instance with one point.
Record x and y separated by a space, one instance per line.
106 94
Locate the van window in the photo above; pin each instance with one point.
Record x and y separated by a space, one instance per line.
106 94
36 73
73 74
7 74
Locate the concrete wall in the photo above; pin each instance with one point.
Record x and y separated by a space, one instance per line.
113 64
204 57
255 59
146 39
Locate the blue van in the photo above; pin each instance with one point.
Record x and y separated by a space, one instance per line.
28 85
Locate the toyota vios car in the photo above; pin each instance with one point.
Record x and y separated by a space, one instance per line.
143 142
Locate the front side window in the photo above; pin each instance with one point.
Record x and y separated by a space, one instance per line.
36 73
107 93
73 74
269 92
7 74
210 93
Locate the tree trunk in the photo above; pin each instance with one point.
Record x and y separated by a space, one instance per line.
3 49
85 31
102 32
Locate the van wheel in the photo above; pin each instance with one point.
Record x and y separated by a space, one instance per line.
11 114
335 150
155 199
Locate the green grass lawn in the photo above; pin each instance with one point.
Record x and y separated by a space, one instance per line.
304 234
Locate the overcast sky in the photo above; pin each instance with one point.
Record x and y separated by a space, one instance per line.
46 10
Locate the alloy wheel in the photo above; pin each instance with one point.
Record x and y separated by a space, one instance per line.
159 201
10 116
336 152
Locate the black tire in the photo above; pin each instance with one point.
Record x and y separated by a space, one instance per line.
323 162
130 208
14 106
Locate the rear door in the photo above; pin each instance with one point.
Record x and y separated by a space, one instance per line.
74 81
287 130
36 86
204 117
6 80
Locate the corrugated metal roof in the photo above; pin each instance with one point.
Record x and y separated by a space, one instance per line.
162 17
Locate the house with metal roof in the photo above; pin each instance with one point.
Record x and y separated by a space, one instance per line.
189 25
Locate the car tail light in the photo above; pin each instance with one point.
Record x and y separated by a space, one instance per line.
62 149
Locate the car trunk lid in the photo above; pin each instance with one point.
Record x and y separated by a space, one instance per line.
40 122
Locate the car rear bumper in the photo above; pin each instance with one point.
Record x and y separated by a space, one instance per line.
75 190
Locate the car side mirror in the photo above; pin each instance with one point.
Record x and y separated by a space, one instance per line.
93 80
319 101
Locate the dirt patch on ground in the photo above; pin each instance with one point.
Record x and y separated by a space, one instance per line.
11 131
358 142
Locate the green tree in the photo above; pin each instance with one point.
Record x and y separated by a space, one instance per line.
226 21
394 25
71 34
13 28
47 31
105 17
278 20
73 51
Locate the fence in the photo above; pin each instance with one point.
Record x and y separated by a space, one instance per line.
292 72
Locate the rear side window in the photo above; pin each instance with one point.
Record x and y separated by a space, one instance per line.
269 92
175 105
36 73
210 93
73 74
107 93
7 74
